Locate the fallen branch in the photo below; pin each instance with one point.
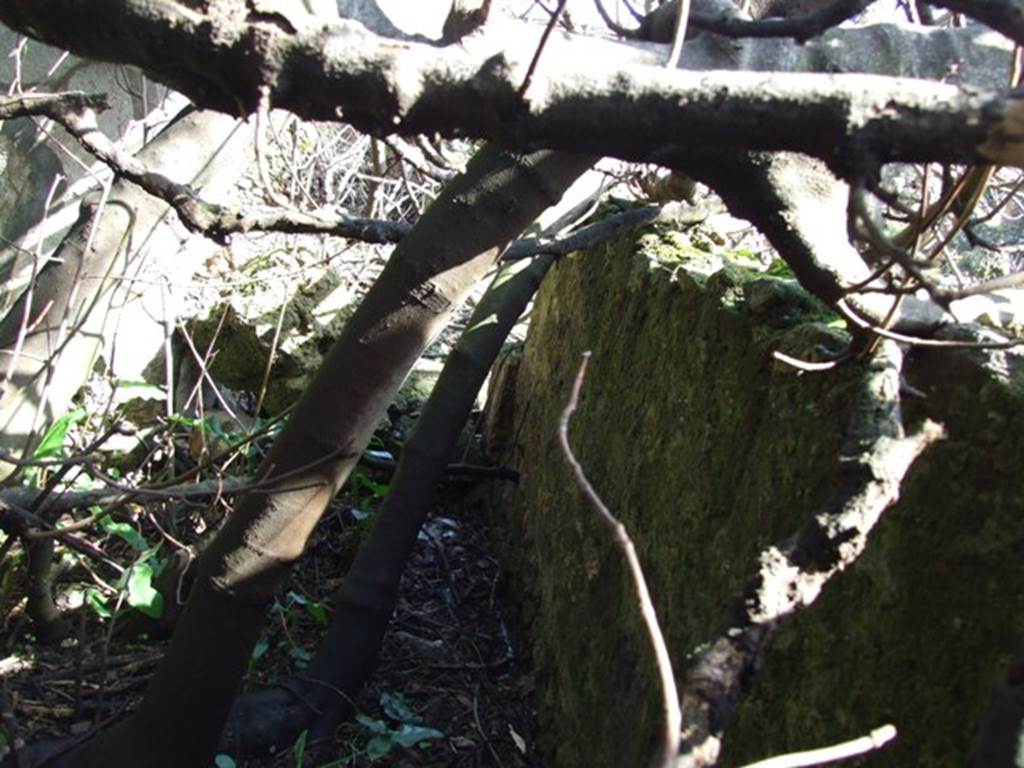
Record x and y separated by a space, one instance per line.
669 740
52 105
877 739
65 501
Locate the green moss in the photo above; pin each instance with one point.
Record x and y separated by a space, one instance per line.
708 450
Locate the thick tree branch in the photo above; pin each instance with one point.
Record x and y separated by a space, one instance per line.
800 27
340 70
1006 16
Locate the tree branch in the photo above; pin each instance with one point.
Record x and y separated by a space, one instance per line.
874 460
53 105
382 86
1006 16
605 229
800 27
669 740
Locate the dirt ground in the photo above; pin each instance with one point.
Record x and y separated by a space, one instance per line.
453 681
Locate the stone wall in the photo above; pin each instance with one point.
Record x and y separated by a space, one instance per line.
709 450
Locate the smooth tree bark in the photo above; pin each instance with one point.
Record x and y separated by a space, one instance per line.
273 718
51 336
454 244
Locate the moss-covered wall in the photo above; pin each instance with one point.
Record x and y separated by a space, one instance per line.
708 450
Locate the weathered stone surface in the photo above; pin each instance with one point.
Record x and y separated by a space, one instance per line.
708 450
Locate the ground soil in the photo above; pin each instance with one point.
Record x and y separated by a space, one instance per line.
451 661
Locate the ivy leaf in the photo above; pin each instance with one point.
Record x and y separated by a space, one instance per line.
410 735
379 746
124 531
52 444
95 600
371 723
397 708
141 594
261 647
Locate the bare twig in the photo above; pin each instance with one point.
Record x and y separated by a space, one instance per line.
15 499
52 105
920 341
669 740
552 22
605 229
877 739
614 26
812 366
216 221
679 36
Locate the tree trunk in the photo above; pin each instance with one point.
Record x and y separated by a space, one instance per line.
455 242
271 719
61 322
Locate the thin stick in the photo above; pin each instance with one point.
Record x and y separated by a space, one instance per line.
919 341
874 740
680 35
670 696
540 47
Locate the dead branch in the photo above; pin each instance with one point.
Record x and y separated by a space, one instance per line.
877 739
51 105
669 741
605 229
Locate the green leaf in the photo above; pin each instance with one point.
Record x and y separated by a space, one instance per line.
224 761
95 600
52 444
317 611
299 748
397 708
372 723
124 531
141 594
185 421
379 746
410 735
261 647
137 390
